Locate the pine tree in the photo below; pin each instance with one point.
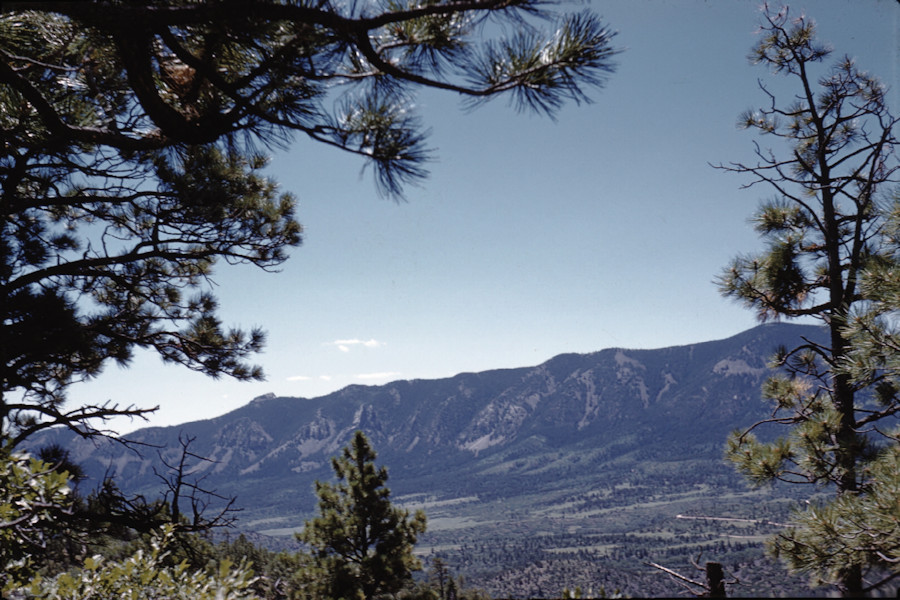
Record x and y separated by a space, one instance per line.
361 544
826 233
132 139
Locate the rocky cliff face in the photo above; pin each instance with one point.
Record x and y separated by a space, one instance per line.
452 432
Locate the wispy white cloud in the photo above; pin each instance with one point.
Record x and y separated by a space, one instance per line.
382 375
345 345
308 378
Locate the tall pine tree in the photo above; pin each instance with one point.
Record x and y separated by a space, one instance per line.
826 234
361 544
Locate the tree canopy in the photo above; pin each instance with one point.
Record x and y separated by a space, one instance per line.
829 233
361 544
132 141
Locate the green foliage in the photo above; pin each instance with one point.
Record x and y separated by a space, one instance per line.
36 511
32 498
361 544
830 254
276 572
145 576
860 529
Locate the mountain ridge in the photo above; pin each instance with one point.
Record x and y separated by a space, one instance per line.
585 460
569 398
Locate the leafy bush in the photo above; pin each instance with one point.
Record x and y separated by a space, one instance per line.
143 576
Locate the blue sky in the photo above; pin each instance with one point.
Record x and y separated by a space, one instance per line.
532 237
